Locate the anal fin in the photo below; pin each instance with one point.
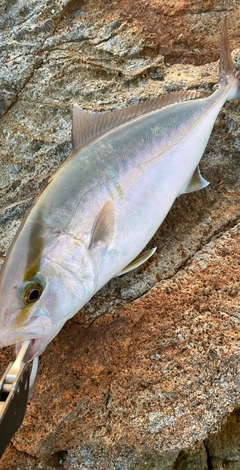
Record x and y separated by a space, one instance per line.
140 259
195 183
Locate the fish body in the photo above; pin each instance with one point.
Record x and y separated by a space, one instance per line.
103 206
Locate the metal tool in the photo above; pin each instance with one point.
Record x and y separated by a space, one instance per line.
16 386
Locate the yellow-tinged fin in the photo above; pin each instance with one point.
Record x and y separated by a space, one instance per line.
196 182
140 259
87 125
227 72
226 66
104 227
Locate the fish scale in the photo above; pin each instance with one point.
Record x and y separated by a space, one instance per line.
104 204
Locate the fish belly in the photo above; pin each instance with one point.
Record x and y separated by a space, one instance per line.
140 167
149 190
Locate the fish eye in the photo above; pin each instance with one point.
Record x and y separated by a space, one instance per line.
32 290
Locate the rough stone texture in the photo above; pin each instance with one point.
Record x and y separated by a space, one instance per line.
133 381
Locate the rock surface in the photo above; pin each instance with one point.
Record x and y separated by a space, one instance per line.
133 381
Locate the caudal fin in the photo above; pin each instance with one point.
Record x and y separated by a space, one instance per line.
227 73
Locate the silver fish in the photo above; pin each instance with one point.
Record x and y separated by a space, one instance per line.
104 204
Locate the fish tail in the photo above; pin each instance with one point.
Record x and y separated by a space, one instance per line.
227 74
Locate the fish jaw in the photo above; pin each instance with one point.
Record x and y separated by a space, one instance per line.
37 346
39 325
41 332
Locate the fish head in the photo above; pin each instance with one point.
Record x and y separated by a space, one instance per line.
23 314
40 288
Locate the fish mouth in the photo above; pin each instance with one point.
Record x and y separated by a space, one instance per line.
38 325
29 354
36 347
37 329
20 343
17 338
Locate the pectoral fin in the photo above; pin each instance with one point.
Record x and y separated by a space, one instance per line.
196 182
140 259
103 230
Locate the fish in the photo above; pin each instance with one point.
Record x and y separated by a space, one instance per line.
104 204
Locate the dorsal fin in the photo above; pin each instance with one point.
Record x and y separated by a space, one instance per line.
87 125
